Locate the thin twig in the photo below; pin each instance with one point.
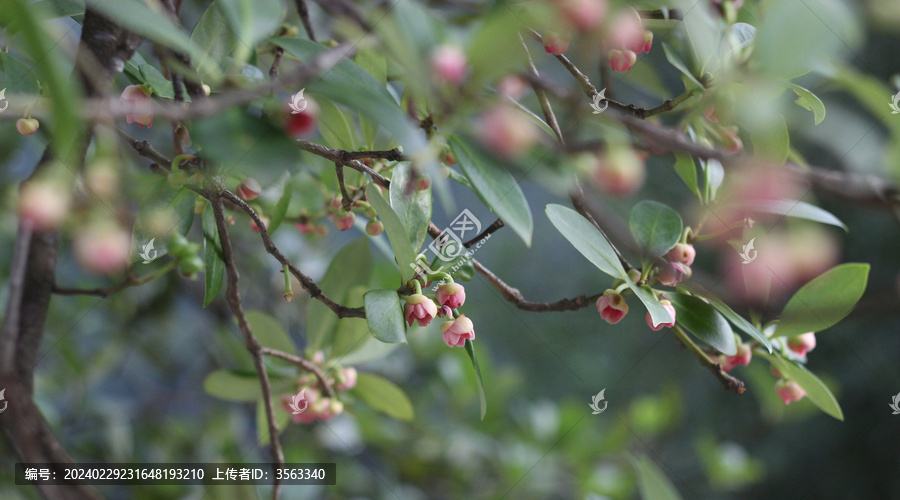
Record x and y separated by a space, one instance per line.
303 12
304 364
145 149
19 265
730 383
497 224
514 296
233 297
542 97
346 202
337 155
273 71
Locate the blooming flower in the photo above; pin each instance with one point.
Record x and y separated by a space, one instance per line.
670 309
683 253
134 96
456 331
789 391
419 308
672 273
803 343
612 307
452 295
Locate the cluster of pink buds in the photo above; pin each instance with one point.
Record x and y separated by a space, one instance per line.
448 298
628 38
788 390
311 403
741 357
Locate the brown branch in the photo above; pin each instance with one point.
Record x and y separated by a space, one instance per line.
514 296
273 71
233 298
303 12
497 224
542 97
581 206
346 202
304 364
145 149
308 284
728 382
340 156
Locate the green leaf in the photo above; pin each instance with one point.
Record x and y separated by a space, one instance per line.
374 64
233 385
351 267
351 334
655 227
808 100
460 179
155 79
385 316
816 390
595 247
652 483
17 77
496 187
414 210
687 170
269 332
62 8
212 256
824 301
738 321
799 209
334 127
704 322
772 142
277 215
282 417
494 48
470 350
251 21
396 232
676 61
212 36
382 395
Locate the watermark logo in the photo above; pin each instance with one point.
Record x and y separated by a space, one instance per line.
895 405
148 253
600 96
894 104
298 102
296 399
595 403
3 400
3 100
448 246
746 254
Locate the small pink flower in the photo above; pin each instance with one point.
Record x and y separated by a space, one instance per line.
506 132
346 379
103 249
344 221
555 44
374 227
671 310
742 357
249 189
671 273
43 204
419 308
620 171
627 31
27 126
584 15
683 253
621 60
789 391
138 101
456 331
448 62
452 295
305 227
648 42
803 343
612 307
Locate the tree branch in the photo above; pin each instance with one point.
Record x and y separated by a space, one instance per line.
340 156
496 225
304 364
542 96
728 382
303 12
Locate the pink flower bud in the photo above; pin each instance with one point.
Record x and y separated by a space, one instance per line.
671 273
683 253
305 227
335 408
555 44
448 62
509 86
731 141
43 204
249 189
346 379
621 60
584 15
742 357
506 132
452 295
445 312
627 32
456 331
303 124
789 391
27 126
671 310
612 307
620 171
137 100
803 343
374 227
648 42
344 221
103 249
419 308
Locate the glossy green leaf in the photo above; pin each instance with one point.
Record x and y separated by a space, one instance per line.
396 232
351 267
270 333
496 187
808 100
276 217
824 301
334 127
799 209
704 322
676 61
816 390
212 256
738 321
385 316
212 36
655 227
251 21
413 210
382 395
282 418
595 247
652 482
687 170
772 143
155 79
233 385
470 350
